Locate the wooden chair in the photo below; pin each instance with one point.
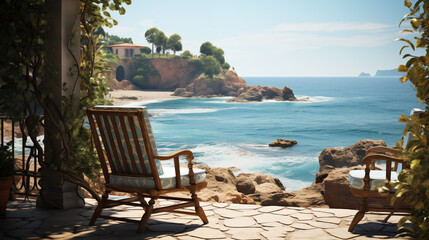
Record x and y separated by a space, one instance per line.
365 183
130 163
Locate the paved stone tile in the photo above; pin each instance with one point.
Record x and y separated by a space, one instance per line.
266 217
341 233
168 238
329 220
227 213
186 237
270 209
302 216
322 214
344 213
286 211
234 206
322 225
296 208
220 205
206 233
245 233
275 232
166 227
240 222
272 224
17 233
318 234
301 226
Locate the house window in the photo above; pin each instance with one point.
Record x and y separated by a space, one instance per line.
116 51
131 52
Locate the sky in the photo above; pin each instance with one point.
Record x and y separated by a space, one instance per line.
279 37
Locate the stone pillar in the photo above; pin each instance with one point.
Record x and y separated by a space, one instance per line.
63 17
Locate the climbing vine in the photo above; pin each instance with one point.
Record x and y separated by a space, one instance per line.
413 181
25 69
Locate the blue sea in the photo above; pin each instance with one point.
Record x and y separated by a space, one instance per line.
341 111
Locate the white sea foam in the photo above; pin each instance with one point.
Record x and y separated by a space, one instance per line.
313 99
18 144
161 112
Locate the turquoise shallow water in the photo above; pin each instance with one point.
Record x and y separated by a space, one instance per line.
341 111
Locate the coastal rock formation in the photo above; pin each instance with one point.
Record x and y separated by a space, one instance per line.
227 85
283 143
172 73
389 73
122 85
259 93
255 188
349 156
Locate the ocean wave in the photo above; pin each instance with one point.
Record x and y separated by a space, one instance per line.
163 112
313 99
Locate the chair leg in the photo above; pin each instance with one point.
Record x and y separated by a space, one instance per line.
360 214
146 215
143 201
100 206
397 204
198 209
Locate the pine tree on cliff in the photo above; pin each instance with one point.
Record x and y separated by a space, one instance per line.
150 36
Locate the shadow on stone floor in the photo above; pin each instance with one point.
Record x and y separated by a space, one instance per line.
378 230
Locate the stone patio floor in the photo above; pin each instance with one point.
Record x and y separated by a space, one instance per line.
226 221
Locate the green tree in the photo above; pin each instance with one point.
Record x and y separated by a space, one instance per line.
207 48
150 36
113 39
161 41
145 50
186 54
226 66
218 54
174 43
211 66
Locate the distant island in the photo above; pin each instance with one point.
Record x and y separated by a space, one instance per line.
364 74
384 73
389 73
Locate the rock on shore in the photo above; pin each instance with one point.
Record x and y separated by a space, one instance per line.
230 84
259 93
347 157
283 143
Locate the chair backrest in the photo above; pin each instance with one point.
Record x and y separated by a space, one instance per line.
408 137
124 136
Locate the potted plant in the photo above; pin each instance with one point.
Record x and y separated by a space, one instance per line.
7 170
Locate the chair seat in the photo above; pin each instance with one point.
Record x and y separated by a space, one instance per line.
376 177
168 179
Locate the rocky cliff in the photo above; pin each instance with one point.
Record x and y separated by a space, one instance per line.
170 73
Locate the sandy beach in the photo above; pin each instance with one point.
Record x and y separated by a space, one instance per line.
125 97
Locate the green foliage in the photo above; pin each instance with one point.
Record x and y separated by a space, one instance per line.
186 54
413 181
7 167
24 49
113 39
174 43
141 68
207 48
145 50
218 54
226 66
160 42
210 66
150 36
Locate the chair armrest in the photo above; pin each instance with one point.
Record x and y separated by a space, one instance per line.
189 157
369 161
187 153
375 150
